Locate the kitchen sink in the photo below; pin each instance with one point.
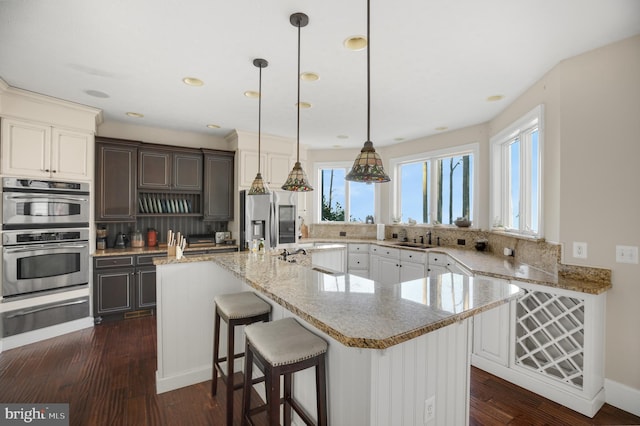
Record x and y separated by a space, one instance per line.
413 245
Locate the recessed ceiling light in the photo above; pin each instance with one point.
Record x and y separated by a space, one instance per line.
336 146
356 42
343 137
495 98
251 94
135 114
309 76
96 93
213 126
304 105
441 128
398 139
192 81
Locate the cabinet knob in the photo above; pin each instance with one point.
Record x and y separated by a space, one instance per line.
54 171
47 170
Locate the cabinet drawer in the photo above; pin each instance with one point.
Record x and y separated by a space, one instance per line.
391 253
358 260
113 262
358 248
413 256
439 259
147 259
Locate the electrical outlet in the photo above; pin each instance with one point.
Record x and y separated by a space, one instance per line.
429 409
343 233
461 242
579 250
627 254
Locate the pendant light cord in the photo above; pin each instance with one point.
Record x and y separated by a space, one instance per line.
368 78
298 78
259 114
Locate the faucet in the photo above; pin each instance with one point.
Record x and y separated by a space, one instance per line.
284 254
438 241
429 237
421 239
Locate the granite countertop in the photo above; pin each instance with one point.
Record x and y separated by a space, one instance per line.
359 312
156 250
590 280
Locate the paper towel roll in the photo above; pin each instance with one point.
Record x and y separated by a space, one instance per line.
380 231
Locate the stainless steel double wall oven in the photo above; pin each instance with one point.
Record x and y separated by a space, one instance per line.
45 249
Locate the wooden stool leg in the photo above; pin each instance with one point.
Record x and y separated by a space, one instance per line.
230 362
216 347
287 399
321 391
246 389
274 395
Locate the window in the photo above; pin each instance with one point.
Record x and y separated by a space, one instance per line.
340 200
436 186
516 175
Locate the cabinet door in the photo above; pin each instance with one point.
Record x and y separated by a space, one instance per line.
116 169
154 169
70 154
113 291
389 272
491 334
329 259
146 287
218 185
26 149
187 171
411 271
278 168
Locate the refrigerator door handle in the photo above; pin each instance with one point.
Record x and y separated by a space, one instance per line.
273 224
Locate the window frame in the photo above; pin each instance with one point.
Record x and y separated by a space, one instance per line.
499 174
317 211
460 150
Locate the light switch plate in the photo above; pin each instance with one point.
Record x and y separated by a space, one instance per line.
627 254
579 250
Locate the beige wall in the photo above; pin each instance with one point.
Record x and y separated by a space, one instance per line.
591 176
600 193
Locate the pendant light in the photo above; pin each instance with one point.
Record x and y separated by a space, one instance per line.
368 165
259 187
297 180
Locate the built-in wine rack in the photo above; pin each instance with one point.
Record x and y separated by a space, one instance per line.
550 336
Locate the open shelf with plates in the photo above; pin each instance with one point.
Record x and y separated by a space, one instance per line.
169 204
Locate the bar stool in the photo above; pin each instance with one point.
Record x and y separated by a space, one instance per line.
236 309
283 347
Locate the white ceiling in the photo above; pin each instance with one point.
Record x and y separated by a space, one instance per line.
433 62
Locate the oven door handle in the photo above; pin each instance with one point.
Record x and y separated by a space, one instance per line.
45 308
34 247
55 198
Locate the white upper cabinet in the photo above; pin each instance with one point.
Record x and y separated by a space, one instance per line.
41 151
274 167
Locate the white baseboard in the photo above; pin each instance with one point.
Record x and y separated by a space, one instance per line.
45 333
187 378
622 396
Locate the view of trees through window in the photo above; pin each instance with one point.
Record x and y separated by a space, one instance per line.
342 199
442 187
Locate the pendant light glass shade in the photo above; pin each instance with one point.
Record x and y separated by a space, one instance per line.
368 165
297 180
259 187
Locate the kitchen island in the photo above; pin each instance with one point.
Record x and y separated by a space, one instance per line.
394 350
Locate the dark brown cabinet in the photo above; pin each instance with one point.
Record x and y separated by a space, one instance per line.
116 171
218 189
123 284
169 170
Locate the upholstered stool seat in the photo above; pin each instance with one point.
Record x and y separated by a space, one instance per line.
236 309
283 347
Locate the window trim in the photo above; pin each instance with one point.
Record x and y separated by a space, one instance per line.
499 189
317 169
459 150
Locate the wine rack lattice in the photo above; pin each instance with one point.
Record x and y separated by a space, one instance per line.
550 336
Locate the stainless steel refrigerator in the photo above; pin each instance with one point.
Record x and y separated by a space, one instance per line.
271 216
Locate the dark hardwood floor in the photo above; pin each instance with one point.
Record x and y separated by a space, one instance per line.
107 375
